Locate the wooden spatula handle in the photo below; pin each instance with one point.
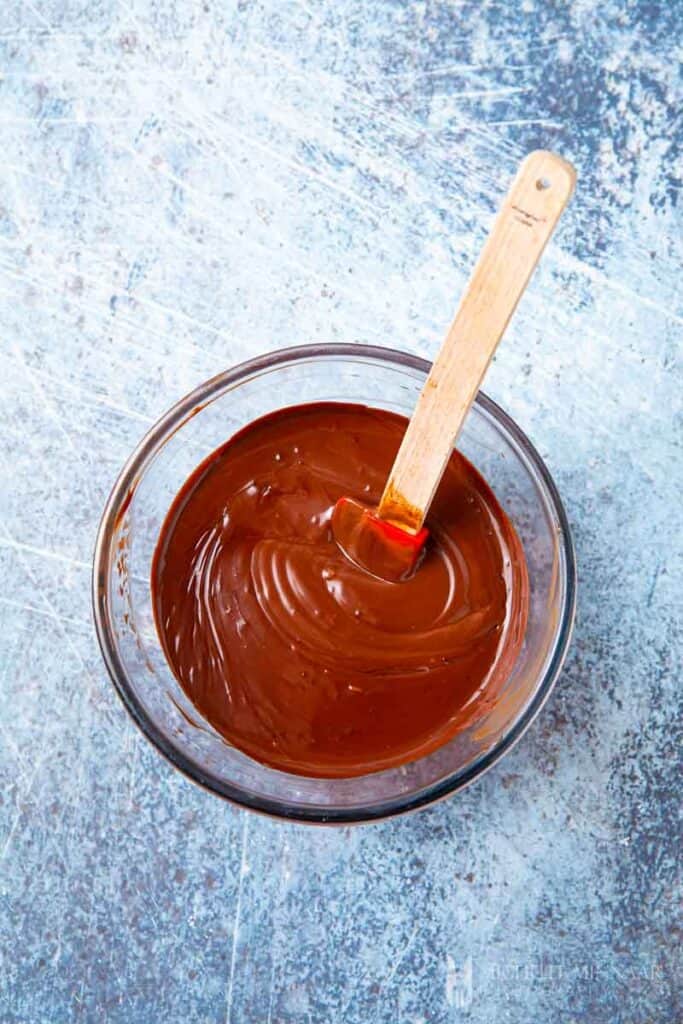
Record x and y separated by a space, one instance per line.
524 224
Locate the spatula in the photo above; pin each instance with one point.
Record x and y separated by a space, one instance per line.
388 541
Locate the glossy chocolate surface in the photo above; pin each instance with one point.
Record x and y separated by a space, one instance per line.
297 656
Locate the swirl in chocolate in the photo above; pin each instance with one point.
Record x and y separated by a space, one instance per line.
300 658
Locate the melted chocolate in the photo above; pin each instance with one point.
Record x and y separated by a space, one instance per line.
297 656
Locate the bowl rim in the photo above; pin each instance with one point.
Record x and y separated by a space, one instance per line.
120 497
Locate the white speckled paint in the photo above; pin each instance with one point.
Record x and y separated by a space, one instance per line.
186 184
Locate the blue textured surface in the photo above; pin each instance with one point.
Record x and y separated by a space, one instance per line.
183 185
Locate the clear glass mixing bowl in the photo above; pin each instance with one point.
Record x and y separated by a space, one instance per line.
140 500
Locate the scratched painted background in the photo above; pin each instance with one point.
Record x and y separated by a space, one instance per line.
186 184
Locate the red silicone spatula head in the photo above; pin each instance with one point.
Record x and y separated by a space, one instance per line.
376 545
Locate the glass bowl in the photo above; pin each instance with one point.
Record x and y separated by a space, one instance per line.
141 498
